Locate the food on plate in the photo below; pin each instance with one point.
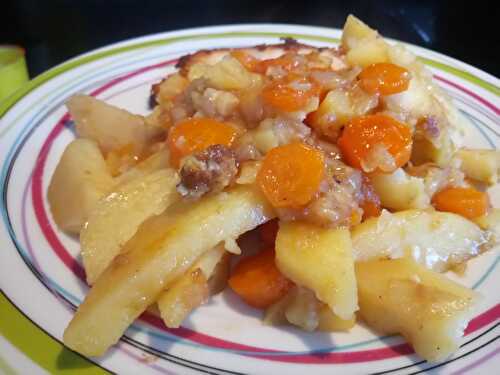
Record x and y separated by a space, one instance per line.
320 259
429 310
81 178
347 162
437 240
162 250
118 215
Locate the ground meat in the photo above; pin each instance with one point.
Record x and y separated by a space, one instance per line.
336 207
429 126
337 201
210 170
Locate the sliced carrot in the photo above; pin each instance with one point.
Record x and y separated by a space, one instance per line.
290 175
384 79
268 232
363 134
257 280
467 202
370 202
197 134
291 93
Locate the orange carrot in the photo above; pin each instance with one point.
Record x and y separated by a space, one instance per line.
291 93
467 202
197 134
362 134
257 280
290 175
384 79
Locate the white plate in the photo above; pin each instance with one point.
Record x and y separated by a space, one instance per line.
41 275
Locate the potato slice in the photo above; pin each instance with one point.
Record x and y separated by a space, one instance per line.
163 249
117 217
319 259
81 178
111 127
399 191
329 322
480 165
363 45
156 161
368 52
429 310
190 290
437 240
354 31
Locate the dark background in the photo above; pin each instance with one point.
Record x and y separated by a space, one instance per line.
54 30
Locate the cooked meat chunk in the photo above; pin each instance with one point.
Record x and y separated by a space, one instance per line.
207 171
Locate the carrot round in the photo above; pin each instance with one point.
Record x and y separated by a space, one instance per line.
290 175
362 136
257 280
467 202
384 79
291 93
197 134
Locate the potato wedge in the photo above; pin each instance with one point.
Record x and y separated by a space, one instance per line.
399 191
116 217
429 310
480 165
319 259
354 31
158 160
111 127
190 290
368 52
329 322
437 240
81 178
164 248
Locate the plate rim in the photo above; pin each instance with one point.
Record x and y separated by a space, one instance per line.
67 66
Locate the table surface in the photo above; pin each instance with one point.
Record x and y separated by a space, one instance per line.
53 31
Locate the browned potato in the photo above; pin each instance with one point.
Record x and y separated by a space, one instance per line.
437 240
163 249
117 216
429 310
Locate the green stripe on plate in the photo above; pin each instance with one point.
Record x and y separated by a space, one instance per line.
39 346
462 74
5 368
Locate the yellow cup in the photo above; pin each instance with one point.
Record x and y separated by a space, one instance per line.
13 71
